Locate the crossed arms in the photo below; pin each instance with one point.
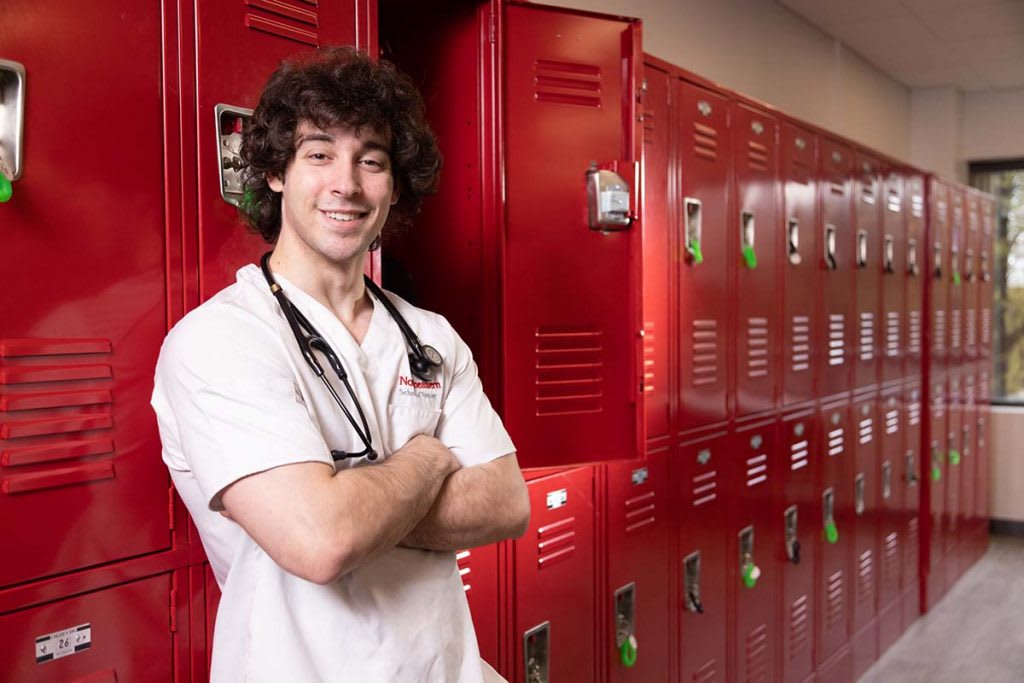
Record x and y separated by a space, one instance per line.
419 497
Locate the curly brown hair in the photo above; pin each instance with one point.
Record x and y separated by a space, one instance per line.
337 86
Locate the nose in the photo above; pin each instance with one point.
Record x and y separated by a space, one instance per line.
346 181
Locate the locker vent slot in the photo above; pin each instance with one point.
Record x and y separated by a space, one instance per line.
705 352
835 441
865 577
757 470
914 413
837 188
757 156
866 430
914 334
911 545
556 542
294 20
66 386
567 83
955 332
798 626
917 206
836 339
757 347
704 487
798 455
570 370
890 563
707 673
867 336
705 142
892 421
834 599
867 193
800 171
649 355
939 338
892 334
986 327
650 126
757 655
801 344
462 559
895 201
972 330
639 512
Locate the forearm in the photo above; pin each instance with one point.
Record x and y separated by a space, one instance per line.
476 506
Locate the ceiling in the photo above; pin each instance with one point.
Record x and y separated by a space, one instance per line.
971 44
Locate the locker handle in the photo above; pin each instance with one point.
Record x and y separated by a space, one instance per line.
830 248
937 261
790 524
793 241
862 249
889 256
936 463
911 468
969 271
859 483
749 571
747 234
692 210
956 265
230 121
912 267
985 276
625 624
828 500
12 125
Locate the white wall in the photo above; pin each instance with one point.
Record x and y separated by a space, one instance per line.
993 125
936 131
762 49
1006 473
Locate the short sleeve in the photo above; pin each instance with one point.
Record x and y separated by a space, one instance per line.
469 425
230 395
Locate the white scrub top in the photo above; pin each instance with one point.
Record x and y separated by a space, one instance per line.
234 397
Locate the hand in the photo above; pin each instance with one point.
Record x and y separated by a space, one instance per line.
435 452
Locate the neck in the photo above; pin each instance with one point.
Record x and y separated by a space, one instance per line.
338 286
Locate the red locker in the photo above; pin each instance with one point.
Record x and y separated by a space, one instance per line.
479 570
86 308
702 158
968 469
916 274
982 436
636 595
801 530
955 278
834 584
659 256
755 240
972 240
895 339
934 471
799 263
954 459
866 245
912 467
837 262
490 251
891 522
865 494
937 292
553 582
698 475
752 477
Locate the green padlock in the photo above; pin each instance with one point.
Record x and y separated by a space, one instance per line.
750 257
831 532
956 277
695 252
936 473
627 652
6 189
954 457
751 573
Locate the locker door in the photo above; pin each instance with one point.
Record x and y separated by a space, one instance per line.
636 597
865 494
891 522
571 296
968 467
954 470
659 255
972 241
937 272
957 230
982 436
237 46
915 274
935 473
799 263
479 570
894 270
705 270
985 268
837 263
753 481
85 307
867 250
699 479
755 227
913 468
834 591
801 528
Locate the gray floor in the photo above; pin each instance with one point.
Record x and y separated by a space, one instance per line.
976 633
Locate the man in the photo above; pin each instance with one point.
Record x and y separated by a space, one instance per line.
335 564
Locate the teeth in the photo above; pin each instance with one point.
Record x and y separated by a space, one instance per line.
342 216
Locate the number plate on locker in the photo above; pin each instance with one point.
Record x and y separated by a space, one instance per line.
63 643
557 499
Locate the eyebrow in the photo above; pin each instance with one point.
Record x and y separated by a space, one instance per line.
368 145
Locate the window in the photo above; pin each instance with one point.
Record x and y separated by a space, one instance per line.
1005 180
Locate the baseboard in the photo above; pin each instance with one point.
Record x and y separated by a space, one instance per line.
1007 527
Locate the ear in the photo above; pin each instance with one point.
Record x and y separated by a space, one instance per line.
395 194
274 183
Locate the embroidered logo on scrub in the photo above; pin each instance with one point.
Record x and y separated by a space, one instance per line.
407 386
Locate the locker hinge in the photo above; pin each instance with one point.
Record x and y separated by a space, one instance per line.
174 610
170 508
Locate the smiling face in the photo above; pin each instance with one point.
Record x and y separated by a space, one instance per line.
336 194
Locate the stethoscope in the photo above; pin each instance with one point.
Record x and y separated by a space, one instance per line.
423 358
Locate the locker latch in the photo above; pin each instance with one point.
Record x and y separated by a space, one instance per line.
910 467
889 254
981 432
936 462
830 248
969 266
625 624
858 494
793 241
749 571
956 264
12 125
792 542
954 454
965 441
608 200
937 261
886 480
747 237
912 268
828 503
691 583
536 653
230 124
985 276
694 253
862 248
